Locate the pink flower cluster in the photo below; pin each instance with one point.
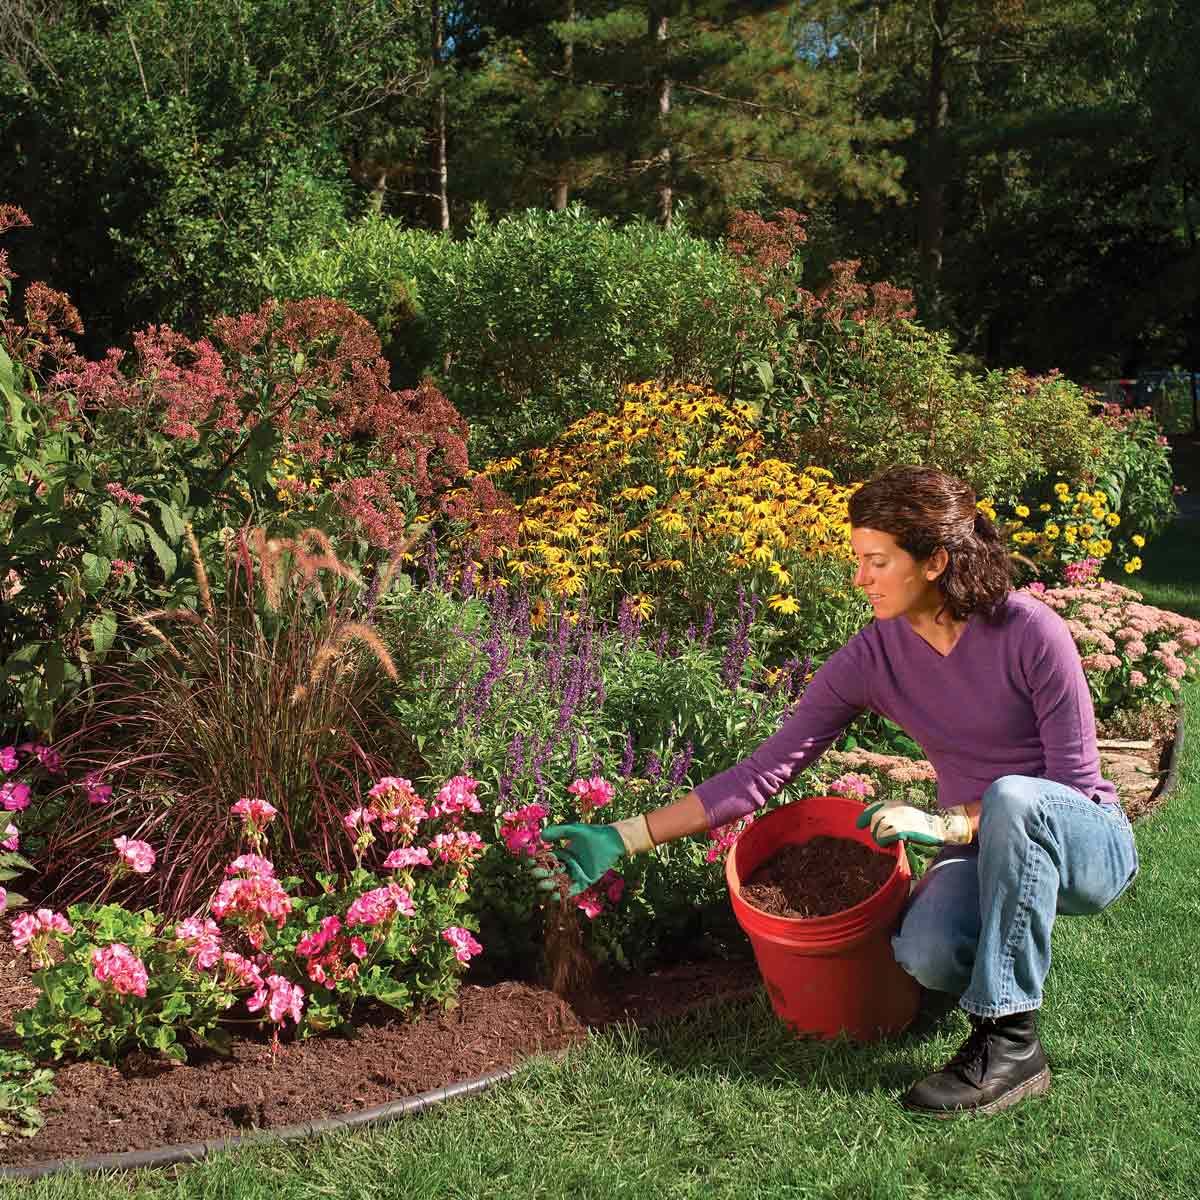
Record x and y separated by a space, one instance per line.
97 791
465 946
254 897
133 855
326 950
592 794
14 797
399 808
456 797
46 755
724 836
123 495
892 766
38 930
1078 573
1116 633
380 905
202 940
852 785
406 857
457 848
118 966
282 998
521 829
256 813
610 886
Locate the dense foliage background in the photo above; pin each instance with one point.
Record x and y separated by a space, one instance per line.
1015 162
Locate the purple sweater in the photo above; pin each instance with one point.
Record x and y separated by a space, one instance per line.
1009 699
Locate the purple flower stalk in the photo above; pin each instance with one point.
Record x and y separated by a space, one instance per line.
680 764
627 758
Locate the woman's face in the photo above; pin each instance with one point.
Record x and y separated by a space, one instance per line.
895 583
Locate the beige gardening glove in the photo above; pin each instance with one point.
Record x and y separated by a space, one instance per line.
894 821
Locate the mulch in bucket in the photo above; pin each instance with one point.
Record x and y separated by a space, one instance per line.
817 878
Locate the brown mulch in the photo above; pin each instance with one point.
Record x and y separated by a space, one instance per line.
821 876
145 1103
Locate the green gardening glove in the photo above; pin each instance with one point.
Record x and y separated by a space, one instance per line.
588 851
893 821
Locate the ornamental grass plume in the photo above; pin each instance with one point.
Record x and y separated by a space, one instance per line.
277 696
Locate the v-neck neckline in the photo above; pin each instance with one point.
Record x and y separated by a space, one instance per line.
947 655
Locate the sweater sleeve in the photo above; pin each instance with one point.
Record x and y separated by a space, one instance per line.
833 698
1062 702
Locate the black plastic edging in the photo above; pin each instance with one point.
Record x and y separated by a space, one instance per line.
190 1152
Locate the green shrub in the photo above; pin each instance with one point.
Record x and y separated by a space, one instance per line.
533 320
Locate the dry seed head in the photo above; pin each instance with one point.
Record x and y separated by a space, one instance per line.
334 644
199 570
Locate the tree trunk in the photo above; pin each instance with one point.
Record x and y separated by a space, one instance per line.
658 30
439 121
562 185
932 208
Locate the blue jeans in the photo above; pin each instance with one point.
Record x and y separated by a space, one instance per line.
978 922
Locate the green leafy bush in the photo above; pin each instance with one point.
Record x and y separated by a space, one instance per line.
535 319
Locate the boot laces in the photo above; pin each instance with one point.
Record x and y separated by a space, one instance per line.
970 1060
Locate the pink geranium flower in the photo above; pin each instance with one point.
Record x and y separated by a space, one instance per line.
283 999
14 797
3 899
8 759
97 791
46 755
456 796
592 793
134 855
457 847
380 905
399 808
407 856
465 946
118 966
251 864
255 900
202 940
521 829
37 931
254 811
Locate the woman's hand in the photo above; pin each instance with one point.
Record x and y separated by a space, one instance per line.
894 821
588 851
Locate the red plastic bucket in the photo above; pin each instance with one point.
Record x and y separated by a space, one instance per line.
835 974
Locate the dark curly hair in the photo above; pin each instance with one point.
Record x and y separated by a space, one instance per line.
923 509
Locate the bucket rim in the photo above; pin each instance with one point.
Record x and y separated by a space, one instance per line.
830 922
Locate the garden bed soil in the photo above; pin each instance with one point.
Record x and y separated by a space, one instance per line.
145 1103
822 876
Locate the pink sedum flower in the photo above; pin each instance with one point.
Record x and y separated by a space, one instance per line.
407 856
14 797
852 785
118 966
134 855
465 946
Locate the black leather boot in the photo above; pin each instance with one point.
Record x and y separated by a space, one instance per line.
1000 1063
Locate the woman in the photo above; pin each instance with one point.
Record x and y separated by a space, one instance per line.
989 682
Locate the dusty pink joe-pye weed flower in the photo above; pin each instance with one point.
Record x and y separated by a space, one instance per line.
119 966
134 855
